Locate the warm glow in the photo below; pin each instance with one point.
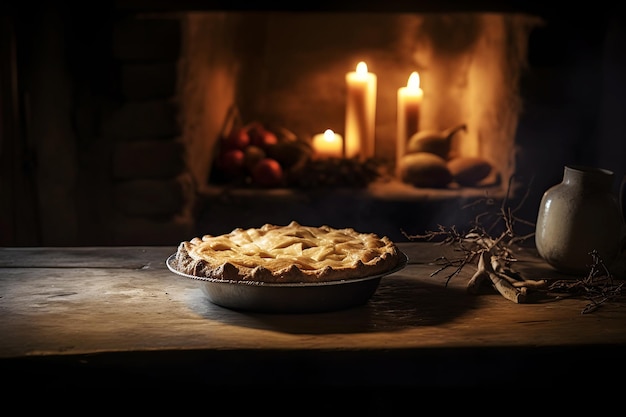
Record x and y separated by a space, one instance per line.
328 145
329 135
361 69
414 81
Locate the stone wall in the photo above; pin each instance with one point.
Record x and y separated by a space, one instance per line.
152 190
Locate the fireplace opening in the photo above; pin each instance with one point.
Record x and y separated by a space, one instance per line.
127 117
288 70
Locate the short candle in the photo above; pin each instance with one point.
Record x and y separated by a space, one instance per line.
328 145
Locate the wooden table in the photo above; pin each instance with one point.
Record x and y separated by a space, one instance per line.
71 316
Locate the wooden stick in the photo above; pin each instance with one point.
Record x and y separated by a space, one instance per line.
514 278
503 286
531 283
507 290
477 279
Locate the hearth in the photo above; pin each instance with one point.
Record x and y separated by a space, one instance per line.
111 124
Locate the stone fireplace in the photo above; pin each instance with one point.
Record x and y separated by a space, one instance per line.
111 125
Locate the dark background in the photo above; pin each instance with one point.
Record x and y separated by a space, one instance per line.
573 91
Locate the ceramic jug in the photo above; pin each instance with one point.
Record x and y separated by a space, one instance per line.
577 216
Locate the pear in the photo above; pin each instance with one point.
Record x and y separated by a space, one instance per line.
433 141
469 171
424 169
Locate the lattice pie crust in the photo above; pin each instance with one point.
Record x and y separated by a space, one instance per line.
291 253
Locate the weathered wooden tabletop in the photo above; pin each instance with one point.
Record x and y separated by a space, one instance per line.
120 308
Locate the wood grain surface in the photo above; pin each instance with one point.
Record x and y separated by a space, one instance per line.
121 305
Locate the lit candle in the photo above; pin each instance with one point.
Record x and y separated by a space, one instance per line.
409 104
360 113
328 145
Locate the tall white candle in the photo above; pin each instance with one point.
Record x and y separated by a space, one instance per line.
328 145
360 113
409 106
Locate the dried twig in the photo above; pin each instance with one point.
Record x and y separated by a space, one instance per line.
598 286
495 254
457 264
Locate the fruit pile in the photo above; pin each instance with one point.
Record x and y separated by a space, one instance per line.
256 155
430 162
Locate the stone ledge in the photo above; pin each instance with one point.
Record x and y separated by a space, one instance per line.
385 208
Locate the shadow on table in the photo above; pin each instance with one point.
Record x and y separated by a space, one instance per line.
397 304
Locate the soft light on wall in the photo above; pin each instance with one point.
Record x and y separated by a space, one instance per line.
288 69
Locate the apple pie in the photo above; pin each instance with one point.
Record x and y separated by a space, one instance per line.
287 254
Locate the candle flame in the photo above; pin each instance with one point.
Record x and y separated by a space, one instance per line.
329 135
361 68
414 81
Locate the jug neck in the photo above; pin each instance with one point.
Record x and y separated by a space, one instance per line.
598 178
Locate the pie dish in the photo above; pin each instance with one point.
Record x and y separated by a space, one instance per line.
288 298
288 269
291 253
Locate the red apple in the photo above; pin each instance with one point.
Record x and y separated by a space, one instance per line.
262 137
267 173
231 162
238 138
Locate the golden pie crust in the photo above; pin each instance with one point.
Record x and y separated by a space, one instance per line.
291 253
